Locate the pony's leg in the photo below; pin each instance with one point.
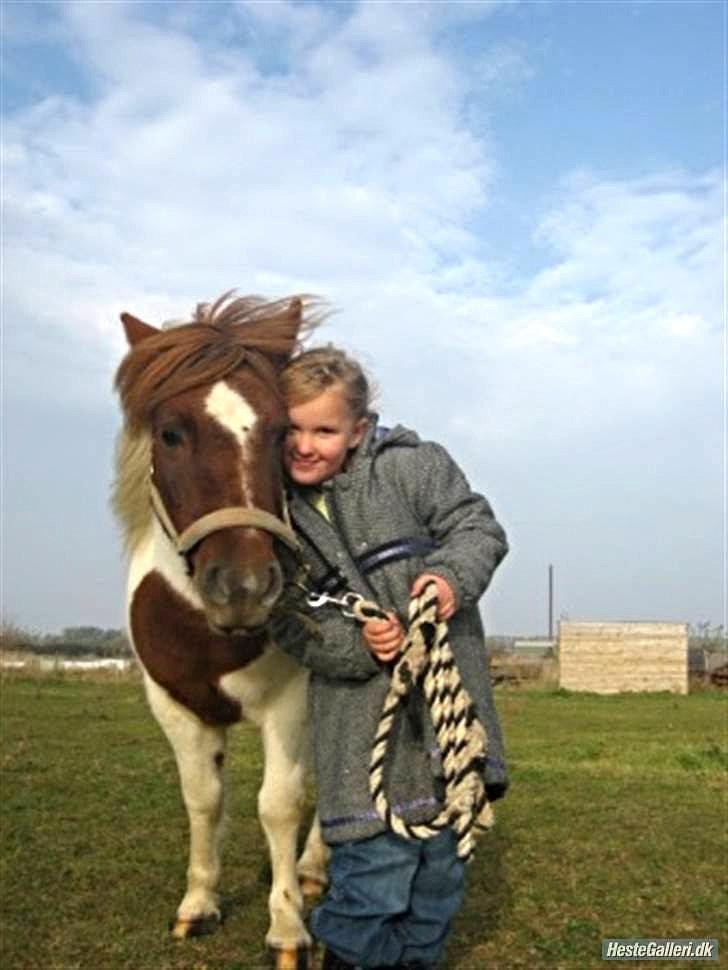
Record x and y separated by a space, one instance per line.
200 753
311 868
280 806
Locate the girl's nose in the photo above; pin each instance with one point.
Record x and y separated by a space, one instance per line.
303 443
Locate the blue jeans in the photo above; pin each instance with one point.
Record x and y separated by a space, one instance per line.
390 899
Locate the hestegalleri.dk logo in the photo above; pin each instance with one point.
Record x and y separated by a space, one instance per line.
660 949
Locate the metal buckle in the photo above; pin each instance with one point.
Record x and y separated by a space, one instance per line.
344 603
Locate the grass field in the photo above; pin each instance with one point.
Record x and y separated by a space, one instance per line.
615 826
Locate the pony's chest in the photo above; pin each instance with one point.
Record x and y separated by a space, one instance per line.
180 652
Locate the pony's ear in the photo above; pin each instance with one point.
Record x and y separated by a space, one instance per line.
136 330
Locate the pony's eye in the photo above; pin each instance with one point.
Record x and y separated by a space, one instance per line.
171 438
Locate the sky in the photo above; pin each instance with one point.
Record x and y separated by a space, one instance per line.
516 209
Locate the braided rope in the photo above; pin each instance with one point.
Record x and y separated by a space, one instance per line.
427 659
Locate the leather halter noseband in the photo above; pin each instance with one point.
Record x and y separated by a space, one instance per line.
225 518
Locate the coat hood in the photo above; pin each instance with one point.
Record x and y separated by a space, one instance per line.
378 437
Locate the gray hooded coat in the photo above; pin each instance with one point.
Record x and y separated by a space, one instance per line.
394 486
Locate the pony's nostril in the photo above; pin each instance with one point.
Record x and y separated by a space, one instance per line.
216 583
209 577
275 584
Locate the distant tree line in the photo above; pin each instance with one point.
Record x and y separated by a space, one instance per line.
94 641
72 641
75 641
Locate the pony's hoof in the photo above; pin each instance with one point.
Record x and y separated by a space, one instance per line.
183 929
299 959
311 888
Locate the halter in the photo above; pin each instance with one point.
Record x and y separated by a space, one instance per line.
229 517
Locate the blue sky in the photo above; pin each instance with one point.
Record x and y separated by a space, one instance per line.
522 203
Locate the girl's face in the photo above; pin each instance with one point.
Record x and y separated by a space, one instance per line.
321 433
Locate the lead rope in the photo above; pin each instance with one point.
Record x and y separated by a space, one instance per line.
427 659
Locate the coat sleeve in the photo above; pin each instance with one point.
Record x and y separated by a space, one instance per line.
470 543
329 644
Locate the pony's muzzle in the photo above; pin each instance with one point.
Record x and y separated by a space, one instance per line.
240 596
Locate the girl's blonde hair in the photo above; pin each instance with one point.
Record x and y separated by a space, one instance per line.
316 370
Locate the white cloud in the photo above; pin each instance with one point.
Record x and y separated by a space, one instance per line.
351 171
624 321
191 171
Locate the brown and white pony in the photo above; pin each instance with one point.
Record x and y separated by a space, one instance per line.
199 497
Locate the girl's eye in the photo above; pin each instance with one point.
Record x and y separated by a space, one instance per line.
171 438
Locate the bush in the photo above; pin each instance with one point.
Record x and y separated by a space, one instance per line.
14 638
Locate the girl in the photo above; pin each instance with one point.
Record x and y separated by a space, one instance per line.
381 513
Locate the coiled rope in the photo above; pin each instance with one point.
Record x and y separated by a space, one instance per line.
427 660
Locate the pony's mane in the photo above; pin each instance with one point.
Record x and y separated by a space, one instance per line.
130 489
220 338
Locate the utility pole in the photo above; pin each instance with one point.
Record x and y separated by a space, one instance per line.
551 602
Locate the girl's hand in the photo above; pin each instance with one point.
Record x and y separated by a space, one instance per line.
384 637
445 595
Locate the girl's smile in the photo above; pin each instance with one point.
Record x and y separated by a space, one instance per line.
321 433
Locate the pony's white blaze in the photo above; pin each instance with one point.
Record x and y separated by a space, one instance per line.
230 409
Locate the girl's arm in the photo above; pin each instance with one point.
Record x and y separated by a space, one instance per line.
470 542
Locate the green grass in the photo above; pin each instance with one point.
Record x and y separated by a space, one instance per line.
614 826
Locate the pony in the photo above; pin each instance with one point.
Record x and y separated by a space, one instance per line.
199 496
